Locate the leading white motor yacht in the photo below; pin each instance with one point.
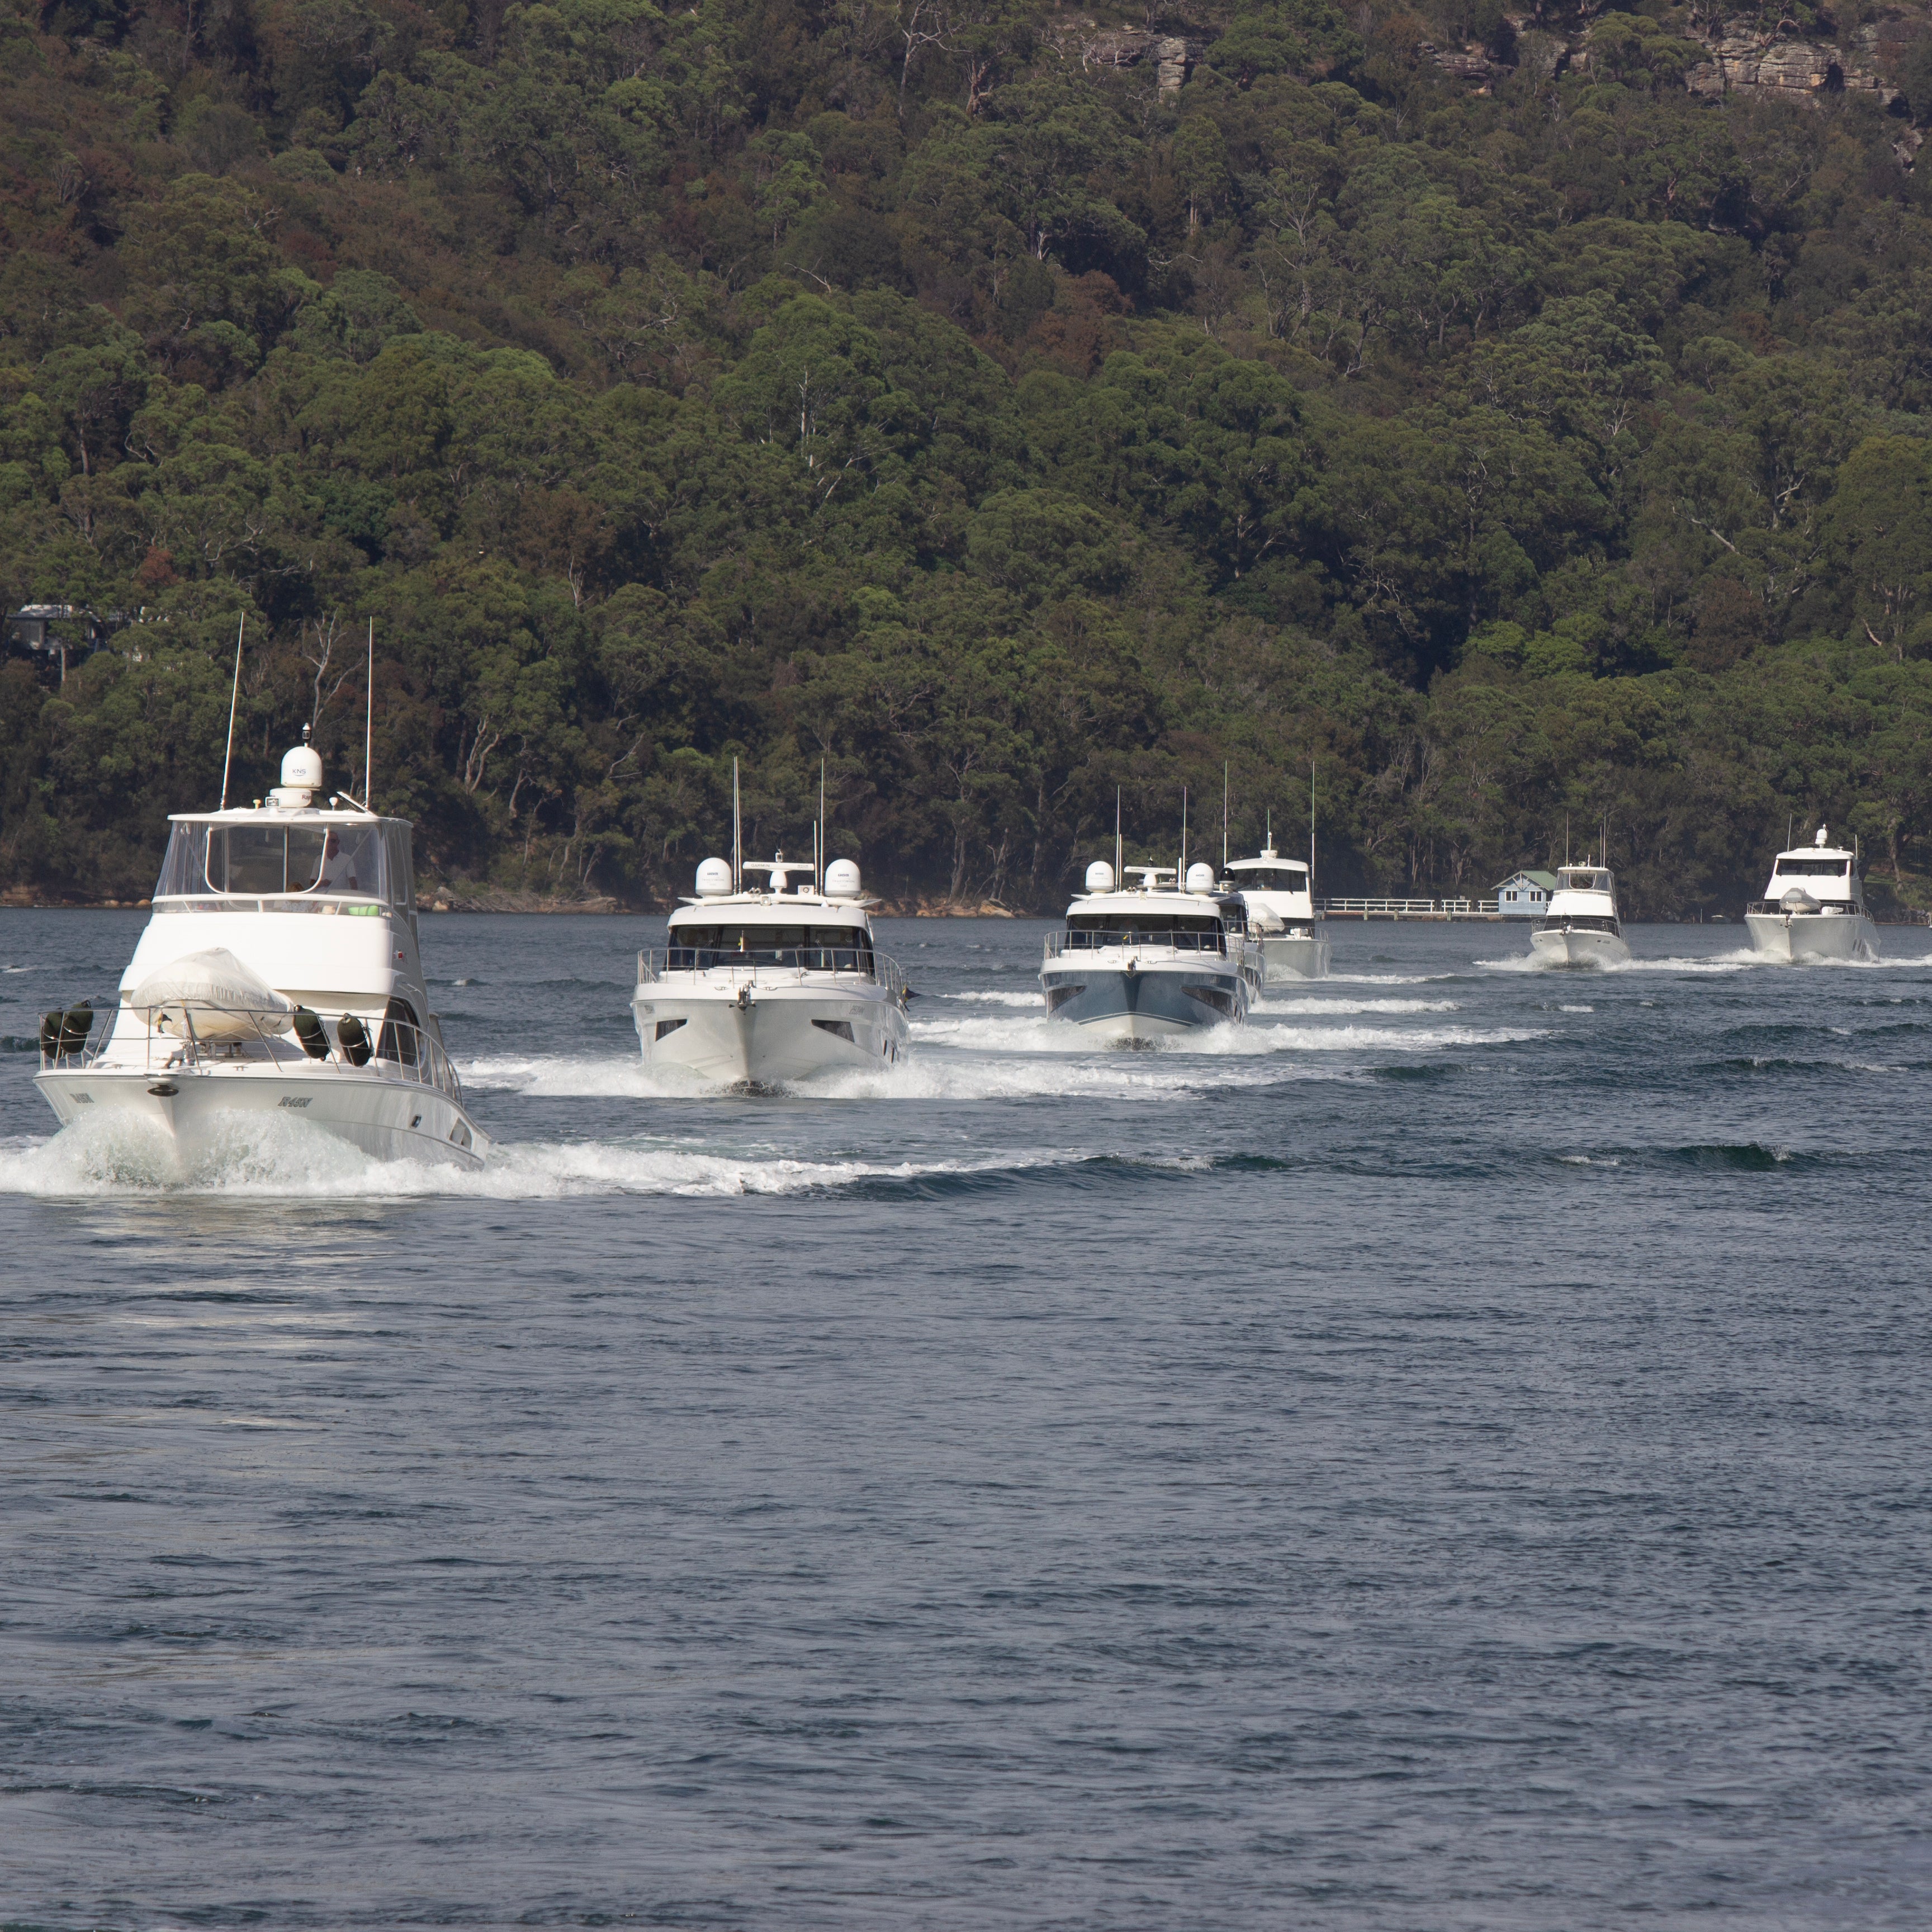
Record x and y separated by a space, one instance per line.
1581 927
1813 909
1280 903
1149 962
279 975
759 987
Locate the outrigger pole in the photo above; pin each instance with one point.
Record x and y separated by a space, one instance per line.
234 694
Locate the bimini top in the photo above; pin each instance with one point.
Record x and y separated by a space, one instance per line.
286 850
1587 888
1820 870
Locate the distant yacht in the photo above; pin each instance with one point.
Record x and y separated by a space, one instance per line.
1814 907
1581 927
1148 962
761 985
278 978
1282 917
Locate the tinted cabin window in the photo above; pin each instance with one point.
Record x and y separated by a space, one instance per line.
1142 921
1274 879
1813 868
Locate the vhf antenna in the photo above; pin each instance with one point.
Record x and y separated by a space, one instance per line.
369 726
818 849
234 695
737 834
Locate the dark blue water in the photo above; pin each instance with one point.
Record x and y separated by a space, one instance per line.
1454 1456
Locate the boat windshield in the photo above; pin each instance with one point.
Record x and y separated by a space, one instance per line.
1186 932
1813 868
818 949
249 861
1272 879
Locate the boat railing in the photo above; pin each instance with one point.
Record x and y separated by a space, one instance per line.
860 962
212 1037
1779 908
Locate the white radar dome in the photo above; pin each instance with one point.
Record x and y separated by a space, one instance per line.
841 879
1200 877
714 880
1099 877
302 769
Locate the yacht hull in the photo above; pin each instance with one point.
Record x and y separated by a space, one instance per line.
765 1037
1141 1005
1798 939
1563 947
1290 956
198 1109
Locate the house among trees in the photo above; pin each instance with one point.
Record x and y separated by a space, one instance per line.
1525 895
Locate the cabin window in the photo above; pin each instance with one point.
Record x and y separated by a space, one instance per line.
276 861
1274 879
1813 868
821 948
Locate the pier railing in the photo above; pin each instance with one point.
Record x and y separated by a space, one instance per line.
1388 908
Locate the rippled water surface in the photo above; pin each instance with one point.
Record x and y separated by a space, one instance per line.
1454 1454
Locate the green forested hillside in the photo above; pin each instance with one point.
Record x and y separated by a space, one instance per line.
1521 416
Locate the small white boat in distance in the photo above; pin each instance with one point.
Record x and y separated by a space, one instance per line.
279 975
1282 918
1581 927
1813 909
1151 962
757 988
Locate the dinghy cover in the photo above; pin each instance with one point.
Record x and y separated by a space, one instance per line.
225 999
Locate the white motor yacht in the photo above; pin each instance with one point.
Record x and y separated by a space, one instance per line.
279 974
1149 962
1814 907
1581 927
759 987
1280 902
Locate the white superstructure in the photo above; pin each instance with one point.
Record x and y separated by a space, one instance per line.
1146 963
1581 927
758 987
1814 908
1282 917
279 974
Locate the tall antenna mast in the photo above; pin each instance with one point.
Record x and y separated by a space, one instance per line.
369 724
1311 756
1119 853
234 694
1224 818
818 854
737 834
1181 871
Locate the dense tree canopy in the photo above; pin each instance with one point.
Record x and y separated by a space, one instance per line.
1004 406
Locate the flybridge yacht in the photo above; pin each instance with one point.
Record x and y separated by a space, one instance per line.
760 986
279 975
1280 904
1142 963
1814 907
1581 927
